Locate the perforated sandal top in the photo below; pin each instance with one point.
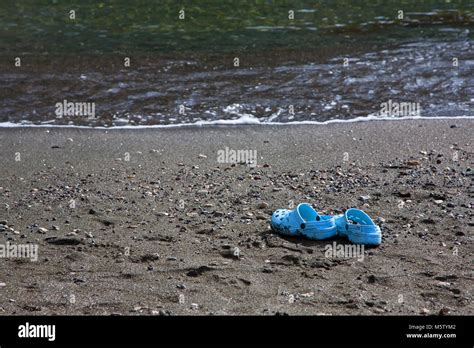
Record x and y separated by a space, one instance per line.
358 227
303 220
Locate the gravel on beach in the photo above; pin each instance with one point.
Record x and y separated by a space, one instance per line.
150 222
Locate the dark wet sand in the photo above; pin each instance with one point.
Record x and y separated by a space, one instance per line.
178 212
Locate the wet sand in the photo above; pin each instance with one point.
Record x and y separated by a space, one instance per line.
147 221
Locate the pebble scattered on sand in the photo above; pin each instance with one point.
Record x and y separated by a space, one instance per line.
221 240
364 198
413 163
231 252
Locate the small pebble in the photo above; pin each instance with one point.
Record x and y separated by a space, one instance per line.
232 253
364 198
444 311
413 163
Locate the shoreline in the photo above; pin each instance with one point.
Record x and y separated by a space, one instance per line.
239 122
128 223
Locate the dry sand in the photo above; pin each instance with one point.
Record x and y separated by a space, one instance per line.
133 221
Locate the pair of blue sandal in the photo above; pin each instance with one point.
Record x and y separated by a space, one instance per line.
356 225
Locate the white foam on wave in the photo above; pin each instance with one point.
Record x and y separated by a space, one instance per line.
243 120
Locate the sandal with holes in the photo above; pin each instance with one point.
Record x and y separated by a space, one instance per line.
358 227
303 220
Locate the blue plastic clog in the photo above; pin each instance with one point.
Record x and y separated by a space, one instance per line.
303 220
358 227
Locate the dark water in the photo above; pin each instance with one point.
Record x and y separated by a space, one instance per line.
290 70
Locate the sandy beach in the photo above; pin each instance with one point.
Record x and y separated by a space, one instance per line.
148 221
